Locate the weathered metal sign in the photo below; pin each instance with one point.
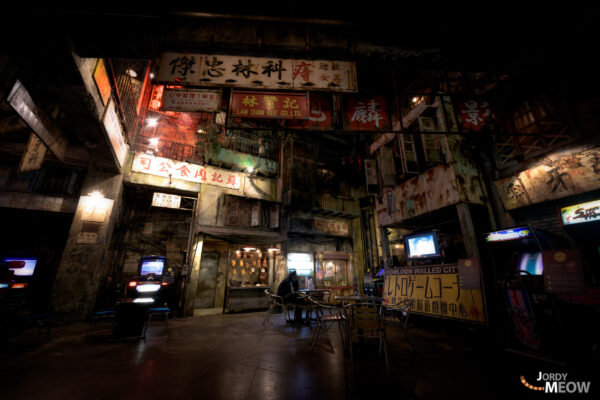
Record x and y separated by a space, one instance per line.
191 100
33 158
269 105
174 169
366 113
580 213
435 290
166 200
101 80
434 189
331 226
115 133
257 72
557 175
474 114
320 116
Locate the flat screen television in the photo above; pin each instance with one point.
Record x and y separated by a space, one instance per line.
422 245
21 266
530 263
152 265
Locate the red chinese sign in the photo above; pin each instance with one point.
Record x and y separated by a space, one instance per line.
366 114
474 114
269 105
320 115
168 168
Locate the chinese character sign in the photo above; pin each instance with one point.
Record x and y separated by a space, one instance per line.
269 105
368 113
257 72
331 226
320 114
191 100
474 114
435 290
173 169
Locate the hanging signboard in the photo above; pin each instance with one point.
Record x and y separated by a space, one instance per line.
34 154
474 114
166 200
174 169
435 291
115 133
257 72
320 115
580 213
191 100
269 105
101 80
366 113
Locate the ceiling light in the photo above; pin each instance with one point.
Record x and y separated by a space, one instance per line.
131 73
249 248
152 121
96 193
153 141
415 99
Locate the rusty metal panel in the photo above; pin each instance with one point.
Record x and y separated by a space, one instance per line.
430 191
557 175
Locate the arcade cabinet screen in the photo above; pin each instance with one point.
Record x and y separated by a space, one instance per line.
152 266
21 266
422 245
531 263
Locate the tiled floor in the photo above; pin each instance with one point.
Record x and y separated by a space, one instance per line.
235 357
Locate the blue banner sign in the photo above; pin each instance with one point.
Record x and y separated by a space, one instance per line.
509 234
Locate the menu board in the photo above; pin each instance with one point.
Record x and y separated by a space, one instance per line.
563 272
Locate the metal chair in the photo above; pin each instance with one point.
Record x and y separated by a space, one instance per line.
100 317
326 314
363 321
397 315
154 314
277 306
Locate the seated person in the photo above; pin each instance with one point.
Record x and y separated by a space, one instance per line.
288 289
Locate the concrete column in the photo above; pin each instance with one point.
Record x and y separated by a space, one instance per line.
87 255
194 273
468 230
359 253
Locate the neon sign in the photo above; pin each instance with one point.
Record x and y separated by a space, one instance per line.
509 234
579 213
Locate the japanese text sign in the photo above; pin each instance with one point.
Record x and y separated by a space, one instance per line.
269 105
257 72
584 212
474 114
168 168
366 114
191 100
435 290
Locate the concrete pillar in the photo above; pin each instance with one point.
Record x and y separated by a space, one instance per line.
359 253
468 230
194 273
87 255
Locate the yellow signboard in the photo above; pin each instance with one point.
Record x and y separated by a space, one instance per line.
435 291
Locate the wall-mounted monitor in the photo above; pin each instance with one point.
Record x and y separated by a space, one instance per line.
21 266
152 265
302 263
422 245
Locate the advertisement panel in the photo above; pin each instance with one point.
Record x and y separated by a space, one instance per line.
257 72
269 105
191 100
579 213
436 291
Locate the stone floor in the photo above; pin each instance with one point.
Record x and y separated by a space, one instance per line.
235 357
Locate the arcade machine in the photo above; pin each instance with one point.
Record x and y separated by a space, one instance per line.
152 287
16 276
531 321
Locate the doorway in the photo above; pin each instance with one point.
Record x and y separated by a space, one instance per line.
207 281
